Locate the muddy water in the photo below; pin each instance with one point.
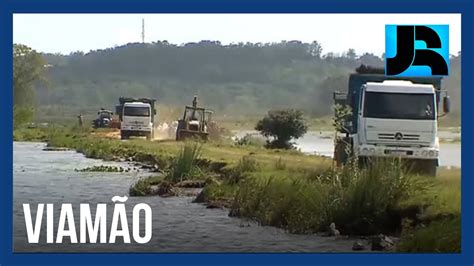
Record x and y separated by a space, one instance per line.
178 224
322 143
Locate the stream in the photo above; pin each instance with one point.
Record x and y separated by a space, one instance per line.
178 225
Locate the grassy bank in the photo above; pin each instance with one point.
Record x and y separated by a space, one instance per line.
300 193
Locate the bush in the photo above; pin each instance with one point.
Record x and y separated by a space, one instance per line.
282 126
368 198
245 165
184 165
30 134
22 115
250 140
143 186
295 204
438 236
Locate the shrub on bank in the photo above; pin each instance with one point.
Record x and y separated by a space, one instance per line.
438 236
250 140
30 134
359 201
184 166
245 165
143 186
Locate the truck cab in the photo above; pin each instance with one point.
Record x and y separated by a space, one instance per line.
398 119
136 117
392 117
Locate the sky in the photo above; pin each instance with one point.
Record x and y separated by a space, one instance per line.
66 33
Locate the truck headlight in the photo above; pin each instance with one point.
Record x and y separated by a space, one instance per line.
424 153
372 150
365 151
432 153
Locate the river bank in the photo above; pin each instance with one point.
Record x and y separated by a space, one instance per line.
48 176
298 192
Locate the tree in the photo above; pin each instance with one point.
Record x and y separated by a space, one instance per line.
369 59
351 54
315 49
28 68
282 126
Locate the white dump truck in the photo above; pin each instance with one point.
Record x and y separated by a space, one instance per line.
392 117
137 117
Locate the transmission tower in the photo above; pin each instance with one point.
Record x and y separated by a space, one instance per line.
143 30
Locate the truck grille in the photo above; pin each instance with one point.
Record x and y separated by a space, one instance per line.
398 136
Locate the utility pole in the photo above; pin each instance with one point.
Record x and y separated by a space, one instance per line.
143 30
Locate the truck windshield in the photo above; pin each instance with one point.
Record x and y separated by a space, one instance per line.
136 111
399 105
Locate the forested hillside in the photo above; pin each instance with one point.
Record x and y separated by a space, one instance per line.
236 79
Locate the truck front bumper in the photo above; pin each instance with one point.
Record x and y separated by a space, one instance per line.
143 129
428 153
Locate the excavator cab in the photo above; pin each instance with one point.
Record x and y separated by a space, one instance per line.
194 123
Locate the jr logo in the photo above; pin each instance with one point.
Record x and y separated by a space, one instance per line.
417 50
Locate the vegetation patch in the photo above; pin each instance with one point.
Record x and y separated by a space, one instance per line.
104 168
184 166
383 198
439 236
250 140
282 126
144 185
30 134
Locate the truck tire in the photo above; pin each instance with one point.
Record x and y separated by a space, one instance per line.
429 167
148 136
123 135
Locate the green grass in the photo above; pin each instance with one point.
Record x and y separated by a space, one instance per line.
439 236
103 168
441 198
219 191
359 201
184 166
30 134
164 151
439 227
245 165
143 185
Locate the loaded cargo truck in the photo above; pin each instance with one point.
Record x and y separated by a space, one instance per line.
391 117
137 116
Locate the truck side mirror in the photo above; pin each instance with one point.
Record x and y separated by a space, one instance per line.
154 111
446 104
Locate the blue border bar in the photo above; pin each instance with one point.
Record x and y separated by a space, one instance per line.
231 6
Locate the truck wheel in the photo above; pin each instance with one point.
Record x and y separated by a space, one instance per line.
123 135
423 167
429 167
148 136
